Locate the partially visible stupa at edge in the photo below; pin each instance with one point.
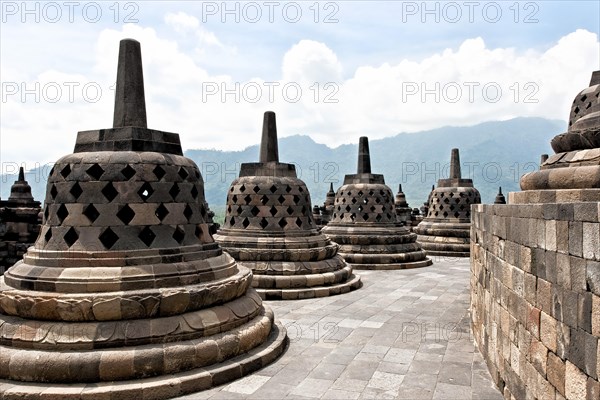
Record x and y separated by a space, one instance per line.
20 220
125 292
269 227
446 229
365 225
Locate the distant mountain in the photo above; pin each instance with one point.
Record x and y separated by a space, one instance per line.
492 153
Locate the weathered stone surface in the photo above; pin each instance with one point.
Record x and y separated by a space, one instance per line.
125 289
445 230
20 219
270 228
365 225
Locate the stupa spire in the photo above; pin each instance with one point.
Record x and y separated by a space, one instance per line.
269 150
364 156
130 102
455 165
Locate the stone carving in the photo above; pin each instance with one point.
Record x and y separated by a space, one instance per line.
269 227
20 221
125 293
445 230
364 222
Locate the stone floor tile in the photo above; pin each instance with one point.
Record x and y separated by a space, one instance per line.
340 394
327 371
385 381
446 391
313 388
247 385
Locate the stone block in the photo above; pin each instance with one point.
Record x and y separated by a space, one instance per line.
593 277
578 274
576 238
544 295
562 237
563 270
563 340
596 316
538 354
575 382
545 390
530 288
551 235
533 322
593 389
584 317
591 241
556 372
586 212
548 331
569 307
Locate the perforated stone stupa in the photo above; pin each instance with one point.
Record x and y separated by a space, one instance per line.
445 230
364 222
269 227
125 294
573 173
403 211
20 220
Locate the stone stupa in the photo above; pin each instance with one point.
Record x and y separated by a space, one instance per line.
403 210
500 199
19 222
269 227
364 222
573 173
125 293
446 229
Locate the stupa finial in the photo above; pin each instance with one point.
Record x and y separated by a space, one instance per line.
269 150
364 156
130 103
455 165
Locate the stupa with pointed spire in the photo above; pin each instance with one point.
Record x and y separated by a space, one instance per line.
364 222
19 222
445 230
269 227
403 210
500 199
125 293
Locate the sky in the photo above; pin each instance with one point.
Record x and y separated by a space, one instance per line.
333 70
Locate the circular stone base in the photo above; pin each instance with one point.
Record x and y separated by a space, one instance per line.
160 387
387 267
449 253
352 283
445 246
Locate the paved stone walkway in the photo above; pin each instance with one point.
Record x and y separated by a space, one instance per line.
405 335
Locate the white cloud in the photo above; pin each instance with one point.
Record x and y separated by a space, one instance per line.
371 101
184 23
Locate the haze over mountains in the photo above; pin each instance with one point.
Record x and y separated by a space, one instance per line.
492 153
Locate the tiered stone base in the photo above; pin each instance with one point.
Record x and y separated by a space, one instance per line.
161 387
104 323
378 248
444 239
291 266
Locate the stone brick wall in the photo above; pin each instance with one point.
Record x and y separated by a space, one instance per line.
535 297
